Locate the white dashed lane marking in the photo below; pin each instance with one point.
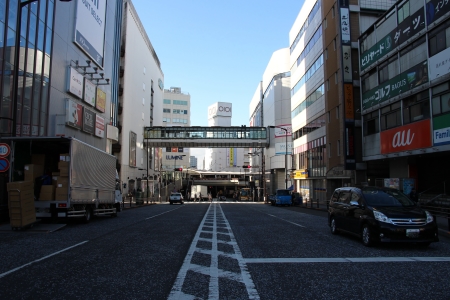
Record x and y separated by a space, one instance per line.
214 225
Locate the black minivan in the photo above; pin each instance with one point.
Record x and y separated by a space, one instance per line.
380 215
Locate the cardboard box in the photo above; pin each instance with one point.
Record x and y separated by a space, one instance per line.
20 185
23 195
22 219
63 167
62 181
38 159
64 157
61 193
55 174
32 171
47 193
22 203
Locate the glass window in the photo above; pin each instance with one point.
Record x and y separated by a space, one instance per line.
445 103
413 55
344 197
439 39
2 11
167 101
42 10
12 14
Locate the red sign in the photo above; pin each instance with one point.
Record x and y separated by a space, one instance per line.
409 137
4 149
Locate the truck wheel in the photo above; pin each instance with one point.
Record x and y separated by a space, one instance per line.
87 215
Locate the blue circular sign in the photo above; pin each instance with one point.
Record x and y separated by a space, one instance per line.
4 164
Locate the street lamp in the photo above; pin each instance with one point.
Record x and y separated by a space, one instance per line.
285 154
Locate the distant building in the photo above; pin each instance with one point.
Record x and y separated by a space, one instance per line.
193 161
176 112
223 159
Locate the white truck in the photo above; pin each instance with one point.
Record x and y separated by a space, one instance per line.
199 189
92 183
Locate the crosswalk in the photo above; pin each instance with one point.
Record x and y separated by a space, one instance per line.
214 264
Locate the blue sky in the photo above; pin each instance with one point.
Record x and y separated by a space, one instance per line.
217 51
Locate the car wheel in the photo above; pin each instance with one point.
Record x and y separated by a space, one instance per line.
333 227
366 236
170 202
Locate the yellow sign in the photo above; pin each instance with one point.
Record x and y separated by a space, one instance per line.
301 174
101 100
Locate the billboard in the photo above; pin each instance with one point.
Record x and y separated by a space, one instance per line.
74 114
409 137
223 109
90 28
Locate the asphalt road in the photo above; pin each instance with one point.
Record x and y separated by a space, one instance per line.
215 251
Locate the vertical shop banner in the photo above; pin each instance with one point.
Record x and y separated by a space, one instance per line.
75 83
99 126
348 98
101 100
347 63
345 25
89 92
230 157
90 28
74 114
409 137
88 121
132 149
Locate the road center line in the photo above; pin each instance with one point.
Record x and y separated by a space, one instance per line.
163 213
287 221
42 258
344 260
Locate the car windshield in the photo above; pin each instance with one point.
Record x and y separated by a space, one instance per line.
386 197
176 194
283 193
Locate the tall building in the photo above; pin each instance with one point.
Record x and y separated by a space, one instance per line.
325 97
71 82
271 106
176 111
222 159
405 80
140 101
193 162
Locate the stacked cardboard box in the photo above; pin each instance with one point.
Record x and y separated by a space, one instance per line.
32 171
61 182
47 193
21 203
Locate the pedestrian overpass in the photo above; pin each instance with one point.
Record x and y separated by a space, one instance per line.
207 137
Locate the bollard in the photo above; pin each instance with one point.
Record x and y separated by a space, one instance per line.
317 202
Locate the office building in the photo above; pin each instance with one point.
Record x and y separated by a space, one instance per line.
71 62
405 79
193 162
140 101
176 111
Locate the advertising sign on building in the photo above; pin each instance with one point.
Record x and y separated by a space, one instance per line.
280 148
89 92
348 99
101 100
74 114
282 133
409 137
132 149
437 9
441 130
439 64
88 121
99 126
75 83
345 25
90 28
222 109
347 63
401 83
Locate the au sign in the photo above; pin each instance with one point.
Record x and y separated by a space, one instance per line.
413 136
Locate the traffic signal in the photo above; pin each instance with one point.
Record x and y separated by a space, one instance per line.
178 169
246 167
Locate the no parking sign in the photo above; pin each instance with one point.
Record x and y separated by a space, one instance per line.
4 151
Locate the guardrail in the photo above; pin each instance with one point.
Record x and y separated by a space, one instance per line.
437 205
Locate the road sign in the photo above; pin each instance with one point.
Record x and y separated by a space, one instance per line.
4 149
4 164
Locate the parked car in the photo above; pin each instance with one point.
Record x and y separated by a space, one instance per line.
272 199
283 197
380 215
176 198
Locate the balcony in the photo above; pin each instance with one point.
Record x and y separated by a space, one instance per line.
121 71
119 109
120 90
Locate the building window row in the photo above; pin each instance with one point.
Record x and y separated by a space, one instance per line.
411 109
312 42
166 110
308 101
167 101
180 111
180 102
310 127
305 25
316 65
183 121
